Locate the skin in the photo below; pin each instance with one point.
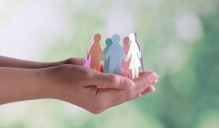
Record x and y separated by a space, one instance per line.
65 80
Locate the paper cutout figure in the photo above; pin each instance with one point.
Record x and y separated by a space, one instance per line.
95 53
135 55
88 61
115 53
125 64
114 56
107 61
141 59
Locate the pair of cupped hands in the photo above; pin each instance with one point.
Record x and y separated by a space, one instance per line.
96 91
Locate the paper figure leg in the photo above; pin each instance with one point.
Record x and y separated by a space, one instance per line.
137 72
118 70
98 68
111 69
88 62
124 72
142 64
106 66
130 74
133 73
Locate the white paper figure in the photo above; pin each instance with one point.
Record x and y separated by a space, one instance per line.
141 59
135 55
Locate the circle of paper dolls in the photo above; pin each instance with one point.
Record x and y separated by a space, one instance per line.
119 60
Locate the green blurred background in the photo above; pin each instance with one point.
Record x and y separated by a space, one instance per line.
179 41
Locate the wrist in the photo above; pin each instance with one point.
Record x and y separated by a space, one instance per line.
50 79
45 87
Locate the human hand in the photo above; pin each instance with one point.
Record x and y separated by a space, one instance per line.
75 61
94 91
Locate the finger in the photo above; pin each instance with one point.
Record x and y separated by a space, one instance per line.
143 82
113 97
76 61
138 96
116 97
141 73
150 89
146 91
112 81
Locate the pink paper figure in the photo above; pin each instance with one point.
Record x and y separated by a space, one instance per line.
88 60
96 53
135 55
141 59
125 64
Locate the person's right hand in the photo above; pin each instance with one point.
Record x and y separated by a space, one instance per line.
92 90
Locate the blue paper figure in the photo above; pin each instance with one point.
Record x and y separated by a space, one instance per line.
141 59
115 54
107 61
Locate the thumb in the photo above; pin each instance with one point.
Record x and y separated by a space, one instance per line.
112 81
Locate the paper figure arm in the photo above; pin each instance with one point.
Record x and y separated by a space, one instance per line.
88 55
90 52
129 54
123 55
102 55
107 54
139 54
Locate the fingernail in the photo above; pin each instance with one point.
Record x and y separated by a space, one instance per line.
153 89
140 95
127 83
152 78
156 74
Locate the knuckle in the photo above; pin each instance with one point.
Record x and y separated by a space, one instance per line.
70 60
61 68
87 74
147 74
129 94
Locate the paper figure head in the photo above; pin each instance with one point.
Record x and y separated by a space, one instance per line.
116 39
136 37
132 37
126 40
108 42
97 38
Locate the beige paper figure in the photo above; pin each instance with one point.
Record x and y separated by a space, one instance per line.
135 55
96 53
